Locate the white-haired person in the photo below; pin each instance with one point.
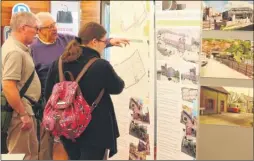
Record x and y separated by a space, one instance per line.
17 69
46 48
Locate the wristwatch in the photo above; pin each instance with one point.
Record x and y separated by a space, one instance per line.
23 114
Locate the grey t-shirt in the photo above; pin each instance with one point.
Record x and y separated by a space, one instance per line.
17 64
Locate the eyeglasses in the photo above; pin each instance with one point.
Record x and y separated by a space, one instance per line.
105 41
34 27
52 26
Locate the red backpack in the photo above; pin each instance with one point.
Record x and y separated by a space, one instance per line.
67 113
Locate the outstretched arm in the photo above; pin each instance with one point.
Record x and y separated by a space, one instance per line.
117 42
109 42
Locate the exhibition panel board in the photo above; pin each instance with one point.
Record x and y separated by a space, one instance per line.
226 95
228 46
178 44
135 105
196 69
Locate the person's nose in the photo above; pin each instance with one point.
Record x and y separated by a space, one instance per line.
55 27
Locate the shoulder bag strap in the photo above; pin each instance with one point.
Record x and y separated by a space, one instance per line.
26 85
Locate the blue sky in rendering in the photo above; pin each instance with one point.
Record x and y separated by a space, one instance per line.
220 5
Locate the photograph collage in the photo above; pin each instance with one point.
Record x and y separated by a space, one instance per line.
139 147
178 62
228 58
176 46
189 120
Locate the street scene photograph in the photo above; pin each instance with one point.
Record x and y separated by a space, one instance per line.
227 59
232 106
228 15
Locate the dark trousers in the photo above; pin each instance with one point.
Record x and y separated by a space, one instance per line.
4 149
81 151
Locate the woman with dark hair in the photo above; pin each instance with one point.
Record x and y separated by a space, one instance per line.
102 132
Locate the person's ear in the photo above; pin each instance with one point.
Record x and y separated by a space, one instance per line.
40 31
94 41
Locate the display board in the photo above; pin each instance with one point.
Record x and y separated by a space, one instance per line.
130 24
67 16
165 74
134 106
226 95
178 45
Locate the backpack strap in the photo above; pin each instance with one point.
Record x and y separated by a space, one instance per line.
97 100
80 75
83 71
60 69
61 73
86 67
70 75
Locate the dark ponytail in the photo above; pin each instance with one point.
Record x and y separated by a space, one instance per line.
72 51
